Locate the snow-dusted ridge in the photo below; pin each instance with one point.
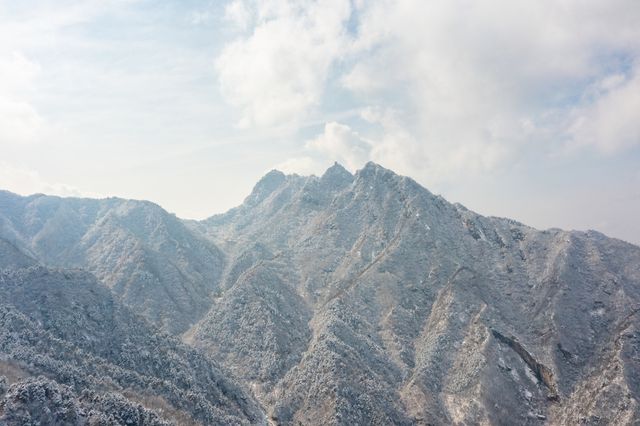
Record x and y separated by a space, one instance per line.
360 299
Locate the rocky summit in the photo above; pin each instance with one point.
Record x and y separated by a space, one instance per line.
345 299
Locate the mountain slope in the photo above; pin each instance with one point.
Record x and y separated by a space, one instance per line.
97 354
147 256
410 309
340 299
12 257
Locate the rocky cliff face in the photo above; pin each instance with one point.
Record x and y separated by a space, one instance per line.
365 299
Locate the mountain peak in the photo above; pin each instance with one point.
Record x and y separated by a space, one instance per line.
370 165
337 168
272 176
373 170
336 176
265 186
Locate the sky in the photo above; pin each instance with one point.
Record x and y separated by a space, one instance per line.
520 109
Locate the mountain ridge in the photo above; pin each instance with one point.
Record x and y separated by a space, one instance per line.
359 249
336 165
365 298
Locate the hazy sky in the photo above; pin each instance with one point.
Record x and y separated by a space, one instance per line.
529 110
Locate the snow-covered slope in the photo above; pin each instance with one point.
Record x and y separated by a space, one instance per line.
383 303
147 256
360 299
99 359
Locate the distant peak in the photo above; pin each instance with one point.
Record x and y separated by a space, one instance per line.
336 176
265 186
271 180
372 165
336 170
273 174
372 169
373 175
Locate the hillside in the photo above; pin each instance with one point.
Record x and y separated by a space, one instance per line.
341 299
66 342
367 299
147 256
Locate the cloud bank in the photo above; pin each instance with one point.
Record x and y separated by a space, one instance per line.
456 86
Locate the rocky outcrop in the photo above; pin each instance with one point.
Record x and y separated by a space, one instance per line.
543 373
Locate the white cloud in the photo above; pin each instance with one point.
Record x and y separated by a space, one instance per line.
477 83
337 142
19 120
340 143
611 122
277 74
24 28
239 13
305 166
25 181
200 17
394 147
17 73
473 86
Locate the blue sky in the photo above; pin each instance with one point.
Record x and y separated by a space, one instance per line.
529 110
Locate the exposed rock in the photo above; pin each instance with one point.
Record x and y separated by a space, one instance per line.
543 373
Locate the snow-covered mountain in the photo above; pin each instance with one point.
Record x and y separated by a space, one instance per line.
72 354
148 257
361 299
